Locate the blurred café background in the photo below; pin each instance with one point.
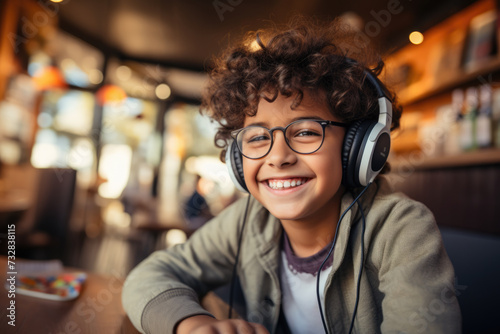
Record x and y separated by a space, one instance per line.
104 156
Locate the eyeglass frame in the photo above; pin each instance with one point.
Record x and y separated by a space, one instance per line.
323 123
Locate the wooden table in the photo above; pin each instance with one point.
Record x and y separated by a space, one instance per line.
98 309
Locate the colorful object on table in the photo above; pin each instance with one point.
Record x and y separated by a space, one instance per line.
63 286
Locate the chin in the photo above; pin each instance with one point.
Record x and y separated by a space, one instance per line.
286 213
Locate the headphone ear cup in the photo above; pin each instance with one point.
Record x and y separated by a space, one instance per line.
352 151
234 162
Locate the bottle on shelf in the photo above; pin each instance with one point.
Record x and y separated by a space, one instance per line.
468 140
484 126
495 115
452 141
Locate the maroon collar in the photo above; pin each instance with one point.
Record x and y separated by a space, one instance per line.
308 264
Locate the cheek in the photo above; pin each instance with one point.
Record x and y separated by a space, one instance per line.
250 169
328 169
331 163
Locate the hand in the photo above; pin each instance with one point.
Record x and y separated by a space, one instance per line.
202 324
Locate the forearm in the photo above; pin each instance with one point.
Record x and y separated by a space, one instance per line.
156 299
169 309
178 276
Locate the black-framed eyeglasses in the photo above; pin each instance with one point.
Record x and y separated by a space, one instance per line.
304 136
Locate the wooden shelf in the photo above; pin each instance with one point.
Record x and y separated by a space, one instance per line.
480 157
424 77
417 72
461 77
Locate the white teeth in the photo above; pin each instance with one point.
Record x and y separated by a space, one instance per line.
285 184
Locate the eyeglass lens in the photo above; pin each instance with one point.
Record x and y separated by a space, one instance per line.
302 137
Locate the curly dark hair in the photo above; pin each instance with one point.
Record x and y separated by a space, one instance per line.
301 56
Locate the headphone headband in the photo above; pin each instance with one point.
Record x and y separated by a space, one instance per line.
384 99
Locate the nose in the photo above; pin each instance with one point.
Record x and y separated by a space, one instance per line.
281 155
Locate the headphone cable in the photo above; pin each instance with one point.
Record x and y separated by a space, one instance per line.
318 295
234 275
361 266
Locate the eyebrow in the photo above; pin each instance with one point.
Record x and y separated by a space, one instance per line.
264 124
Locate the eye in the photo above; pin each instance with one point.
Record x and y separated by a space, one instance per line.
306 133
255 135
258 138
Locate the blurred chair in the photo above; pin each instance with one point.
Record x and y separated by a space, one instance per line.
46 231
477 273
13 206
16 199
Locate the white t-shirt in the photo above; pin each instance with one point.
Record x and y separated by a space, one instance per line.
300 303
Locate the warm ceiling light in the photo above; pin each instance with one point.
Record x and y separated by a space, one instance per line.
110 94
95 76
416 37
123 73
56 1
49 77
254 46
163 91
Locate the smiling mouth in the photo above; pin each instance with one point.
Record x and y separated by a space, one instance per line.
286 183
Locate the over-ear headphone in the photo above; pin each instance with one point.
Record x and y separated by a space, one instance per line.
365 149
234 163
367 142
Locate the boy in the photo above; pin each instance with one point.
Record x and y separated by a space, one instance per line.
293 110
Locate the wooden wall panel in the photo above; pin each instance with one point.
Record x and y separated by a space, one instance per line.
463 197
